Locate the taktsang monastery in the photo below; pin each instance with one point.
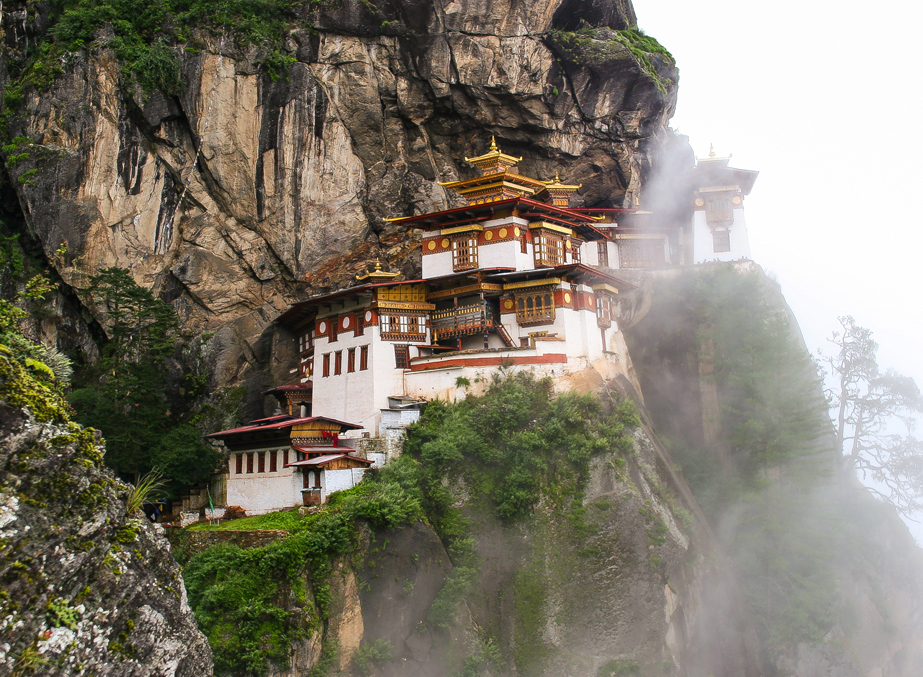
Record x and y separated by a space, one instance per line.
516 278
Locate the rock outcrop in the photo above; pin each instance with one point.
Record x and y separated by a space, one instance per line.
297 175
88 587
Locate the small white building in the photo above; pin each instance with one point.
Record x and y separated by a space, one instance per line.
719 229
286 461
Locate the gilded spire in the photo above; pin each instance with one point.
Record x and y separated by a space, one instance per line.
378 273
711 150
493 143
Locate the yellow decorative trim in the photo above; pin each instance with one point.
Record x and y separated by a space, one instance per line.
403 305
460 229
503 232
431 245
445 244
533 283
488 236
551 226
717 189
461 291
605 287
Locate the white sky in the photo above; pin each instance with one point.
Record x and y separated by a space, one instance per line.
821 98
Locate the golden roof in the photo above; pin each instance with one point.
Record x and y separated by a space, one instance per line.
556 184
493 158
377 274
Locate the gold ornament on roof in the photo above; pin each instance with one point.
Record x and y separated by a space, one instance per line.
377 274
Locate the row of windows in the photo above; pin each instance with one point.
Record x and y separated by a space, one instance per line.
350 361
403 324
548 251
260 461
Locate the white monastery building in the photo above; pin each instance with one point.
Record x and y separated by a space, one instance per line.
516 278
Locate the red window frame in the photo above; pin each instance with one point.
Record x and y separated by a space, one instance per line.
326 365
250 463
284 457
401 356
338 363
363 358
240 463
273 458
260 461
351 360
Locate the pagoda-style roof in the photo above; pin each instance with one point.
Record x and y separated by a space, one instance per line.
583 224
303 310
276 424
321 461
714 173
494 159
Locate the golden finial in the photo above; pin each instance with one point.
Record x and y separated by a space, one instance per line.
711 150
493 143
378 273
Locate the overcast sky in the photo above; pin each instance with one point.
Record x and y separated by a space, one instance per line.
822 99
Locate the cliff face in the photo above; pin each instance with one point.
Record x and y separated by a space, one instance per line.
88 588
297 175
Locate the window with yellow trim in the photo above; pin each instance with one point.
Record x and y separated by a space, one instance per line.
465 252
535 308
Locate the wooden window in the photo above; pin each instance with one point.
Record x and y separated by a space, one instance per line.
249 463
306 474
640 253
523 243
549 249
306 341
284 457
721 239
260 461
363 358
402 357
326 364
273 458
465 252
402 327
535 308
603 310
351 360
240 463
334 326
360 323
338 363
603 248
575 251
718 210
307 369
317 479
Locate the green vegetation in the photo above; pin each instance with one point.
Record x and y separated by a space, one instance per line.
594 46
372 654
133 396
252 604
145 37
768 459
513 446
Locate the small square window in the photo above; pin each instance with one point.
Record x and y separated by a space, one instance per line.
721 240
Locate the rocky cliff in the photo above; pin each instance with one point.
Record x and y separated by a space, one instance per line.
89 585
300 166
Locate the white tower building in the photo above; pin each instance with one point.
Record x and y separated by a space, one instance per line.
719 226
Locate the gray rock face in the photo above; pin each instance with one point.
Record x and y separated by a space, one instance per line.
296 177
87 588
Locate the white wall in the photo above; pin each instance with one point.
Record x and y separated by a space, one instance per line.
703 243
259 493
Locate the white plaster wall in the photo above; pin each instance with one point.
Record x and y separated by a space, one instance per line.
438 264
500 254
703 244
259 493
340 480
398 418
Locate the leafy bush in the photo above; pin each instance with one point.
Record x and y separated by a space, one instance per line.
241 597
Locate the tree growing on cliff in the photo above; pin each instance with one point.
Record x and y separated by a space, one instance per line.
134 396
874 417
